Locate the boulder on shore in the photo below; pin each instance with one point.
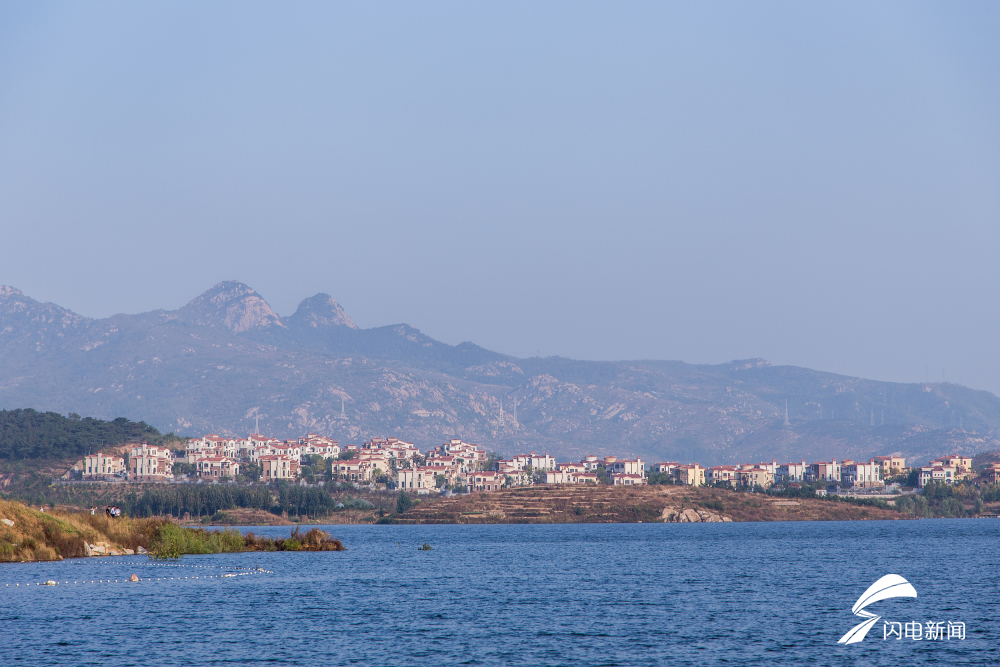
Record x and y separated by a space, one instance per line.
672 514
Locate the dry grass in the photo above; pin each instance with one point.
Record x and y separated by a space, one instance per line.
53 535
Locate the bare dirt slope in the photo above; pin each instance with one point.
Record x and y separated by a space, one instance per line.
608 504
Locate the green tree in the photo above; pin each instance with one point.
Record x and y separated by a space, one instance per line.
251 471
659 478
602 475
183 468
403 503
491 460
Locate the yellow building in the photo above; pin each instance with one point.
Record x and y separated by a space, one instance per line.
891 465
755 477
690 474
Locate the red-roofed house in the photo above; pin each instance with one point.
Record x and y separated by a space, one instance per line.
273 466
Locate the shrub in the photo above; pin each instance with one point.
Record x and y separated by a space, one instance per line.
169 544
314 540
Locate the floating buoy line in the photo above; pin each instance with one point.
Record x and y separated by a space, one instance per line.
240 572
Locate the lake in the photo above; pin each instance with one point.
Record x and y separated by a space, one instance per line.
599 594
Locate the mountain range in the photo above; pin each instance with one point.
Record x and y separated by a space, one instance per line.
227 359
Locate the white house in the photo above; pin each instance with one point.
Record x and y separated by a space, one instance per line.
102 465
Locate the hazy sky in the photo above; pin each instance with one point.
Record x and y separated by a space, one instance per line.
814 184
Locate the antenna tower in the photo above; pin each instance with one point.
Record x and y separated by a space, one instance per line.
786 413
342 415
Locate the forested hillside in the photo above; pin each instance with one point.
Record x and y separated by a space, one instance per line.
29 434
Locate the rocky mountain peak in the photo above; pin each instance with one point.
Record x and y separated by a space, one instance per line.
233 305
15 306
322 311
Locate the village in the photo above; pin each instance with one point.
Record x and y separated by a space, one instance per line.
457 466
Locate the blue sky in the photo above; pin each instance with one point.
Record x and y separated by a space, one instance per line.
813 183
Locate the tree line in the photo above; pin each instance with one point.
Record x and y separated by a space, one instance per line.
205 500
196 499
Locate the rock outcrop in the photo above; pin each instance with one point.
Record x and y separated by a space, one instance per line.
321 311
103 549
233 305
674 515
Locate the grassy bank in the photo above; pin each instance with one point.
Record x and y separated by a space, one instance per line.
54 535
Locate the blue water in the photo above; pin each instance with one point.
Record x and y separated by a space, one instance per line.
636 594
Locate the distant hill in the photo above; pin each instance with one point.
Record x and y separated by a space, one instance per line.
228 357
27 434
